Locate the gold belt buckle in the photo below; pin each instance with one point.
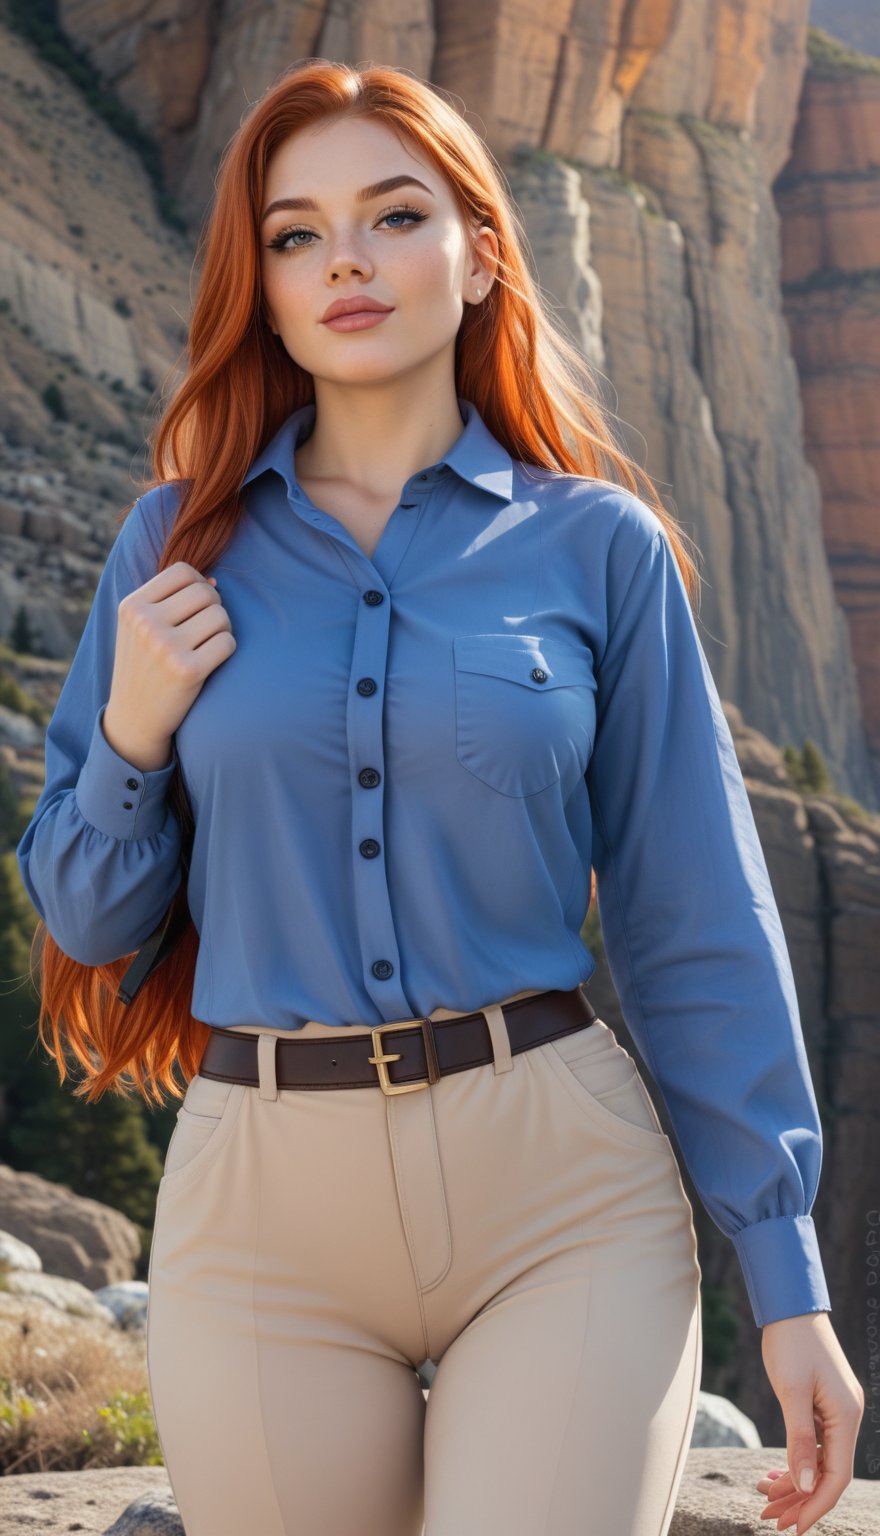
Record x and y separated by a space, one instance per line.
381 1059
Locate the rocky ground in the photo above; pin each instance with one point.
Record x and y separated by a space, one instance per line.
717 1498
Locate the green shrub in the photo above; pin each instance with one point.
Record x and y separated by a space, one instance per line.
831 58
720 1326
128 1431
809 775
22 638
53 400
14 697
807 768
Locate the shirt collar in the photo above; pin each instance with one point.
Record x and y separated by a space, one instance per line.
476 455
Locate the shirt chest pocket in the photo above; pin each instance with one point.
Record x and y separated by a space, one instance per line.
525 713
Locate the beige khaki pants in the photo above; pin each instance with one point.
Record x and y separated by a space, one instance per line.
522 1224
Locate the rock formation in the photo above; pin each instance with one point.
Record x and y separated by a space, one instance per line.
828 197
659 128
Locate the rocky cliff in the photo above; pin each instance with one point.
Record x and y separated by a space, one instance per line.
828 197
652 132
93 304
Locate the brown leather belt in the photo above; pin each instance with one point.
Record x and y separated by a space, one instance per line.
421 1050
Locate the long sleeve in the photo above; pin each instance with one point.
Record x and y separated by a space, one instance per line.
692 932
100 858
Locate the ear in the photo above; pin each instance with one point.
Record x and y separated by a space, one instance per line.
485 255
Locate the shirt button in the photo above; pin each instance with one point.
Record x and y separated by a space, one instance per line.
127 805
366 686
369 848
369 778
131 783
373 597
539 675
383 969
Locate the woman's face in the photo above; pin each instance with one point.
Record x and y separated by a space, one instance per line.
419 262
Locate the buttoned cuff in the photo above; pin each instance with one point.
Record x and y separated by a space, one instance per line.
117 798
782 1267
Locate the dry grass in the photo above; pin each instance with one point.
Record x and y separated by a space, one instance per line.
74 1393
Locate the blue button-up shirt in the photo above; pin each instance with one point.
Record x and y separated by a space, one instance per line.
402 775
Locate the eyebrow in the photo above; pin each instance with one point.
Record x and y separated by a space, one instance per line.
366 195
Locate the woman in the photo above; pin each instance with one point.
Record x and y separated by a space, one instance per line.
419 663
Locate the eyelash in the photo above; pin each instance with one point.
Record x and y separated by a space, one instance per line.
284 234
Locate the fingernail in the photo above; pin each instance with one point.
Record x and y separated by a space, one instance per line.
806 1479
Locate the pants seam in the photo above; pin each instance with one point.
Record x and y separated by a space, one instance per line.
446 1218
259 1151
577 1374
404 1216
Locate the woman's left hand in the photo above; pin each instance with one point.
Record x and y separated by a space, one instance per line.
822 1402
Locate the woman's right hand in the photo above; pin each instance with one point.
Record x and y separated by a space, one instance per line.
171 635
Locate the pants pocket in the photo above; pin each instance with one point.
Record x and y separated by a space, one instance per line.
602 1077
204 1121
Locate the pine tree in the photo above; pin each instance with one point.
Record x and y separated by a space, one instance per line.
22 634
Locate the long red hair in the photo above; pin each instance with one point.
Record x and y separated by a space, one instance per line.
533 388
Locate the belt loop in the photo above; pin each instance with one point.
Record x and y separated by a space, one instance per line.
266 1048
494 1016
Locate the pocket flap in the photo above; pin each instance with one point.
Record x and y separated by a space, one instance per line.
514 656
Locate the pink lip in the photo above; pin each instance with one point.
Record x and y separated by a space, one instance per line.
360 320
353 306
